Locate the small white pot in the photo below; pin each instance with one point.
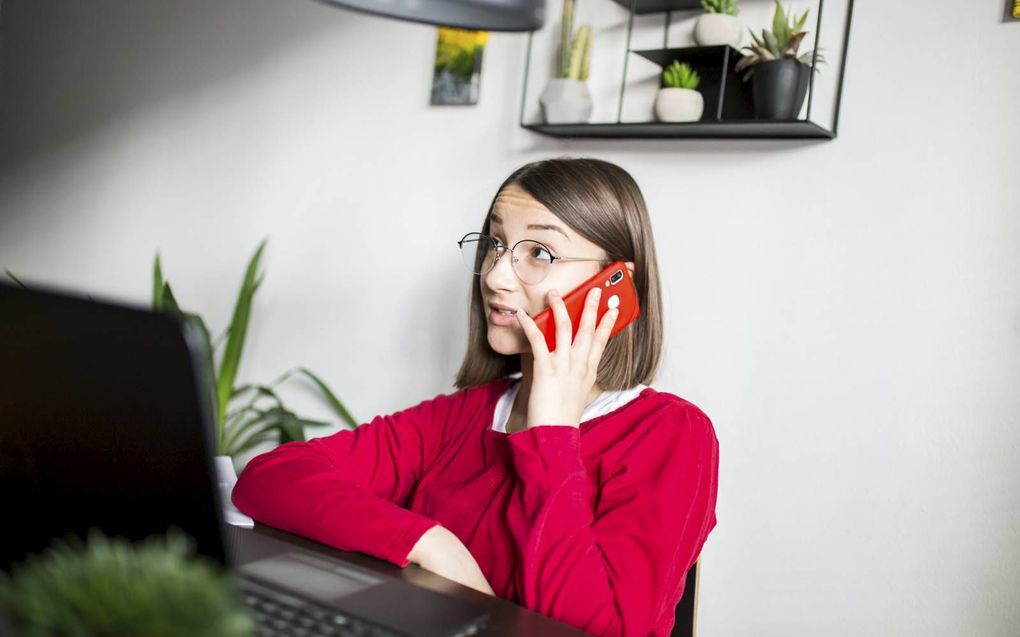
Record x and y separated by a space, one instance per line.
679 105
226 477
712 29
566 101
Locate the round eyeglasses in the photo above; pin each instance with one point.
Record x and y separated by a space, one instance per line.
530 259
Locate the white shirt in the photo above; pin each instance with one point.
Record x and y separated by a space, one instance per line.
604 403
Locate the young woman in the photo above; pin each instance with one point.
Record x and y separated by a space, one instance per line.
558 480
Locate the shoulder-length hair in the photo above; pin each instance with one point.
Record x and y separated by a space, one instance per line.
603 204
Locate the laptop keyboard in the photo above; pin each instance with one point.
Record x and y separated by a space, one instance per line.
278 614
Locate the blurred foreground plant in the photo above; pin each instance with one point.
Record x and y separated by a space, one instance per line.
111 588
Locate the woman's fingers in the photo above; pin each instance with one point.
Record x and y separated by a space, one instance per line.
534 335
586 327
602 337
564 330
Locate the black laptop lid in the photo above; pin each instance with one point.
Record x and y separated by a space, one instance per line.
101 425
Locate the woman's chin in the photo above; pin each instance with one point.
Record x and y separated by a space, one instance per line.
503 341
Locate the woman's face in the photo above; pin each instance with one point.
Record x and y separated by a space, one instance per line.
512 215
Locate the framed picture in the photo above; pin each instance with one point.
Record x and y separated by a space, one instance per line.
458 67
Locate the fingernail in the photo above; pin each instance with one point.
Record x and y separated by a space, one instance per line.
555 292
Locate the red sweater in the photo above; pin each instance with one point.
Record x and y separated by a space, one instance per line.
593 526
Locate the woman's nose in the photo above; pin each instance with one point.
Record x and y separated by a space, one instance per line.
502 274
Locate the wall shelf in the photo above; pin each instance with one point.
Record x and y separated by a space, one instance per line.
729 112
644 7
734 129
726 96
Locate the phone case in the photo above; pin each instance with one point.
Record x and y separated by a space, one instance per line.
620 293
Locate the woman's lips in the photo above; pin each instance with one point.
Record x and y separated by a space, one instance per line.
498 318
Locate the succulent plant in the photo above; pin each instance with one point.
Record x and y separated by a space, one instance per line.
680 75
575 48
783 41
729 7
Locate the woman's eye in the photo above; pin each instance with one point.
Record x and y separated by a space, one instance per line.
540 253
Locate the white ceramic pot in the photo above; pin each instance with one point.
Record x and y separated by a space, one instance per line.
712 29
679 105
226 477
565 101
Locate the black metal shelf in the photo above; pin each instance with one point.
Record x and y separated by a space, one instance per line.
728 105
644 7
726 97
733 129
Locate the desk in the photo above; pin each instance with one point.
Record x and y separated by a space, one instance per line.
505 618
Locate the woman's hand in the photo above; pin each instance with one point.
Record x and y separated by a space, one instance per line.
440 551
563 379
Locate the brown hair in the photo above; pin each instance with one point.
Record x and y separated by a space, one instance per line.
603 204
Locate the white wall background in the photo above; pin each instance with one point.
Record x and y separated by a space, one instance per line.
847 312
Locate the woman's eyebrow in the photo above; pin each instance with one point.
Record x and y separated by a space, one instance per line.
533 226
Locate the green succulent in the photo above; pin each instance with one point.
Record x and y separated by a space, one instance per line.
783 41
680 75
111 588
575 48
729 7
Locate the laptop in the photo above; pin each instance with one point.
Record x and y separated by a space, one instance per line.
102 425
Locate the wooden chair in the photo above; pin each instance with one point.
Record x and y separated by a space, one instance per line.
686 609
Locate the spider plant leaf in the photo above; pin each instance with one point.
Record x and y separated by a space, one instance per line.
236 435
11 276
201 341
238 330
334 402
252 441
170 301
157 285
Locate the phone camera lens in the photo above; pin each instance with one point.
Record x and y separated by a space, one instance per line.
616 277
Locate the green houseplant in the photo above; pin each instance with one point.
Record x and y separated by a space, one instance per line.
244 414
719 24
111 588
780 72
566 99
679 100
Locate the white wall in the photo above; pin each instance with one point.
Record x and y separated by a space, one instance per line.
847 312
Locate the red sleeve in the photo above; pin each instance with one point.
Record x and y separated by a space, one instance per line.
617 569
348 490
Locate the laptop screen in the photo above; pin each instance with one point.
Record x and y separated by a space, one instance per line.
101 425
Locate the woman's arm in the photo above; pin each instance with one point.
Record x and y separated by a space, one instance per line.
617 569
442 552
348 490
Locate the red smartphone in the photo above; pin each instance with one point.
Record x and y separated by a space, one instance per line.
617 291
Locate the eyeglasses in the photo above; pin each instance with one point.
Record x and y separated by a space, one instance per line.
531 260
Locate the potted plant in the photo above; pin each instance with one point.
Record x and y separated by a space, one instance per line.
566 99
780 73
678 100
719 24
110 588
248 414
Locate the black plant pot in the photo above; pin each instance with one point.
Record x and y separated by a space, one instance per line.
779 87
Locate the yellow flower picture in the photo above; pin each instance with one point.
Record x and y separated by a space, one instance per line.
458 67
